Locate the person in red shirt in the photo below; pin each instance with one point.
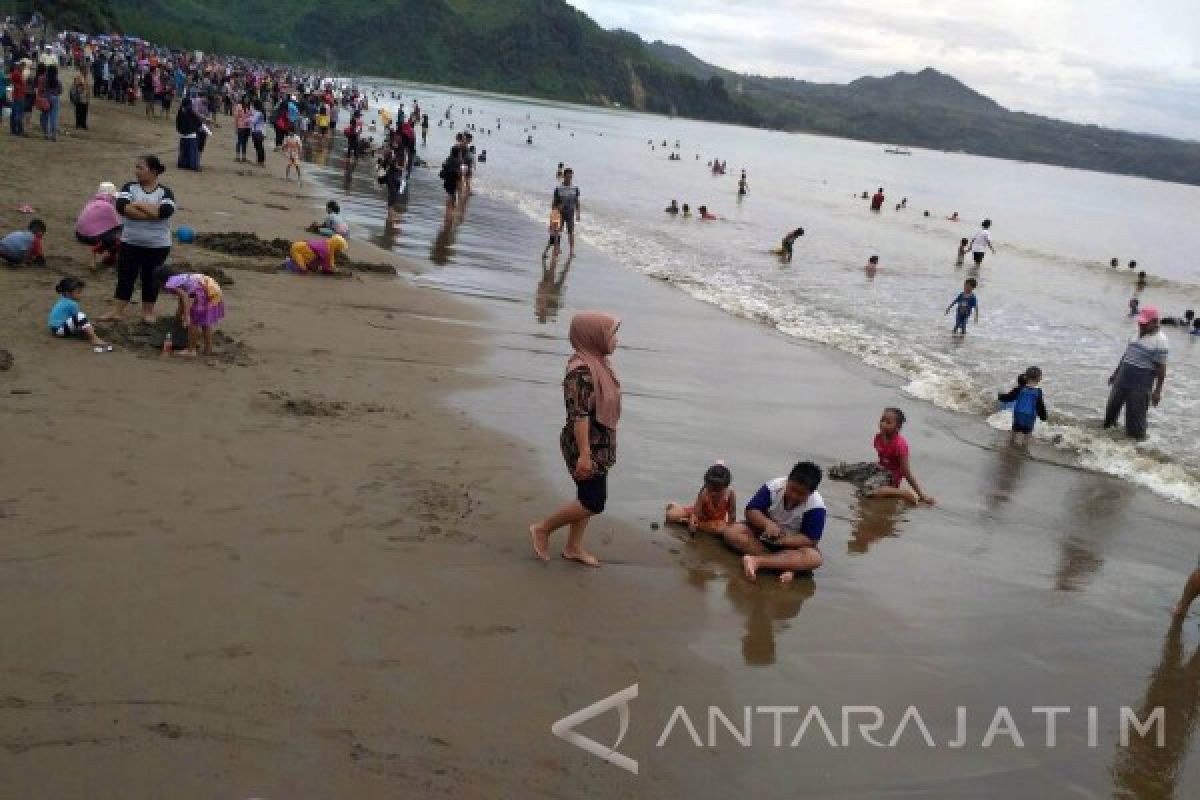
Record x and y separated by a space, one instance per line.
877 200
885 477
16 122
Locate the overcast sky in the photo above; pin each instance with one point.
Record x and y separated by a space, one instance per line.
1132 64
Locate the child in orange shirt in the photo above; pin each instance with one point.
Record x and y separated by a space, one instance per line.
715 507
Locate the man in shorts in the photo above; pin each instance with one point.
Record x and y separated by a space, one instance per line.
566 200
784 523
980 241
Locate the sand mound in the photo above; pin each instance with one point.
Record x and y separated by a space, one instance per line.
147 340
249 245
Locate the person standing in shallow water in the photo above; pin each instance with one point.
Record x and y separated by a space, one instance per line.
588 440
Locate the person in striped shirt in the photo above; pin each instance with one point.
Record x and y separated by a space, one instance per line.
1137 382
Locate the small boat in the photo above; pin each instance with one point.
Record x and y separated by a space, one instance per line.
897 151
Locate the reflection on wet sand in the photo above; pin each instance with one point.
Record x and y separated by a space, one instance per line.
1101 501
876 519
442 250
547 299
766 606
1143 769
1010 463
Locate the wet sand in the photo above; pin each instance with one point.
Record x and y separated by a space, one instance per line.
304 573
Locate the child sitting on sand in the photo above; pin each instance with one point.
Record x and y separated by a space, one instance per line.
315 255
67 319
784 523
555 229
291 149
715 506
332 223
201 305
884 477
1028 404
24 247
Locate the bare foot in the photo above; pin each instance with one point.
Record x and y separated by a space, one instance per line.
582 556
750 567
787 576
186 353
541 542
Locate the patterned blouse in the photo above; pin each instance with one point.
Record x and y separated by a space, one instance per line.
579 394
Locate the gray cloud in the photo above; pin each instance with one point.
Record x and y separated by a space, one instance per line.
1102 61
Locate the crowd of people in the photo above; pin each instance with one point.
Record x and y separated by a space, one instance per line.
131 227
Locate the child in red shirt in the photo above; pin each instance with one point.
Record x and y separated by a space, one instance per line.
885 478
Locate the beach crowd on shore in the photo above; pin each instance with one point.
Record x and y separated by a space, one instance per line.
130 226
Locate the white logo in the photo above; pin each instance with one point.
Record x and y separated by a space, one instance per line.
565 728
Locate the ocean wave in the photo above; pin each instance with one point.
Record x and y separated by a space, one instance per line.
928 375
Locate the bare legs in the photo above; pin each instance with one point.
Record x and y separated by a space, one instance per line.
118 311
574 515
756 555
1191 590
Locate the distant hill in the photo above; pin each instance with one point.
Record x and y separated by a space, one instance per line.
933 110
546 48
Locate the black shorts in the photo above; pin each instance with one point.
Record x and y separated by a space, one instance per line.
569 222
978 258
593 492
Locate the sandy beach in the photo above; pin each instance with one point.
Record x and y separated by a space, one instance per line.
299 569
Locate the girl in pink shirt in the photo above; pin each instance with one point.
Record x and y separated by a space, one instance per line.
885 477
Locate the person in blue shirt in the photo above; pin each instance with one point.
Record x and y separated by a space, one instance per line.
966 302
783 525
1028 404
67 319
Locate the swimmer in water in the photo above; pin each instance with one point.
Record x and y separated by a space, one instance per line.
687 212
673 208
1187 321
1114 263
788 242
704 215
953 217
743 187
872 266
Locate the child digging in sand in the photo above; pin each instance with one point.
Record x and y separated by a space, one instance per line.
67 319
201 306
715 507
885 477
784 523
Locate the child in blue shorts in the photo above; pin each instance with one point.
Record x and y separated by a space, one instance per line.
1028 404
966 302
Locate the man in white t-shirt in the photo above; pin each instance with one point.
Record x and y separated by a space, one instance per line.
784 523
980 241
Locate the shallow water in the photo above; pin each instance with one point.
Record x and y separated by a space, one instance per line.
1046 298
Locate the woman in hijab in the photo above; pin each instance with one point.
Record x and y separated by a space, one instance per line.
188 124
589 437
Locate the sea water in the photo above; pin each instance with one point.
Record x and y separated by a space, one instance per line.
1046 298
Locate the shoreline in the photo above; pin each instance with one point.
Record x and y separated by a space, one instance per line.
308 575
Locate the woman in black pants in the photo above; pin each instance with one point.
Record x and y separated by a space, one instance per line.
147 207
258 125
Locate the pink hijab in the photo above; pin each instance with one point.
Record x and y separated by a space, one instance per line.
591 333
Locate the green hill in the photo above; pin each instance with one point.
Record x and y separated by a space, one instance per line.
543 48
548 49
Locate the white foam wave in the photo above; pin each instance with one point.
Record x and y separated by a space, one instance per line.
929 375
